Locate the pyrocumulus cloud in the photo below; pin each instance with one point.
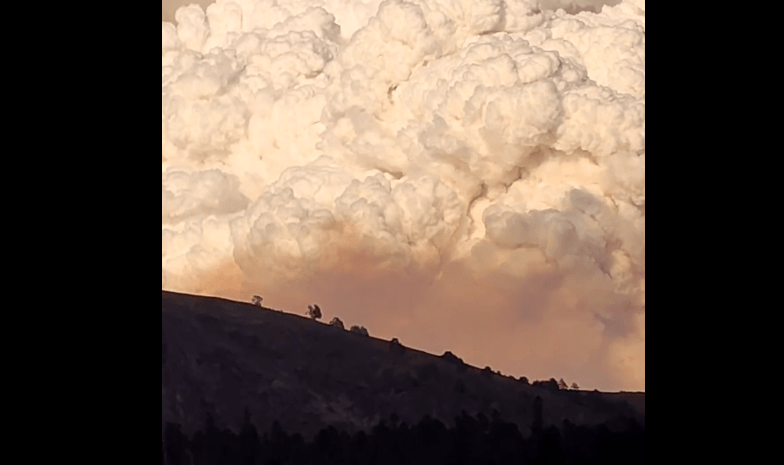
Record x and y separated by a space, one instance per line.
464 175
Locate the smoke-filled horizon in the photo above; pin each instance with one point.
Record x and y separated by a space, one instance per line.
462 175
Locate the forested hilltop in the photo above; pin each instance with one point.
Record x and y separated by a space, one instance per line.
323 393
471 441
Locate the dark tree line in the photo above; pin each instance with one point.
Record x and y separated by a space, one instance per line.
471 441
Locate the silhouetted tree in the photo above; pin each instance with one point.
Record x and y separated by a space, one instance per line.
249 441
484 422
434 441
454 360
337 323
298 450
212 445
575 386
549 451
523 380
276 444
550 384
197 448
396 348
314 312
394 420
505 441
174 445
361 445
230 447
465 436
538 422
359 330
329 446
472 440
562 384
257 300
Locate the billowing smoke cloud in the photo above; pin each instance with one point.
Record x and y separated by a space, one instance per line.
462 175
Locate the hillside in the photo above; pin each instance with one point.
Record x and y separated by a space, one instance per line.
219 356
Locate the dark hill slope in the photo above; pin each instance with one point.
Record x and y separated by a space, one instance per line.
220 356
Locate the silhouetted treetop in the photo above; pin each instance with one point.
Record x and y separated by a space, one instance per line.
450 357
550 384
314 312
471 440
359 330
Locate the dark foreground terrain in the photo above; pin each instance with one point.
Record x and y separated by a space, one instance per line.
248 384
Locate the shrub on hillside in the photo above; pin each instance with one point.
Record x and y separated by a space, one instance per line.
359 330
314 312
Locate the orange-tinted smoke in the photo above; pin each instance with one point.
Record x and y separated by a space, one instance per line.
534 327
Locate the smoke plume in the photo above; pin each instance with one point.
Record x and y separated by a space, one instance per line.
462 175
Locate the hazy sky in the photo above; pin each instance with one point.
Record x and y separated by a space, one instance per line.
464 176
